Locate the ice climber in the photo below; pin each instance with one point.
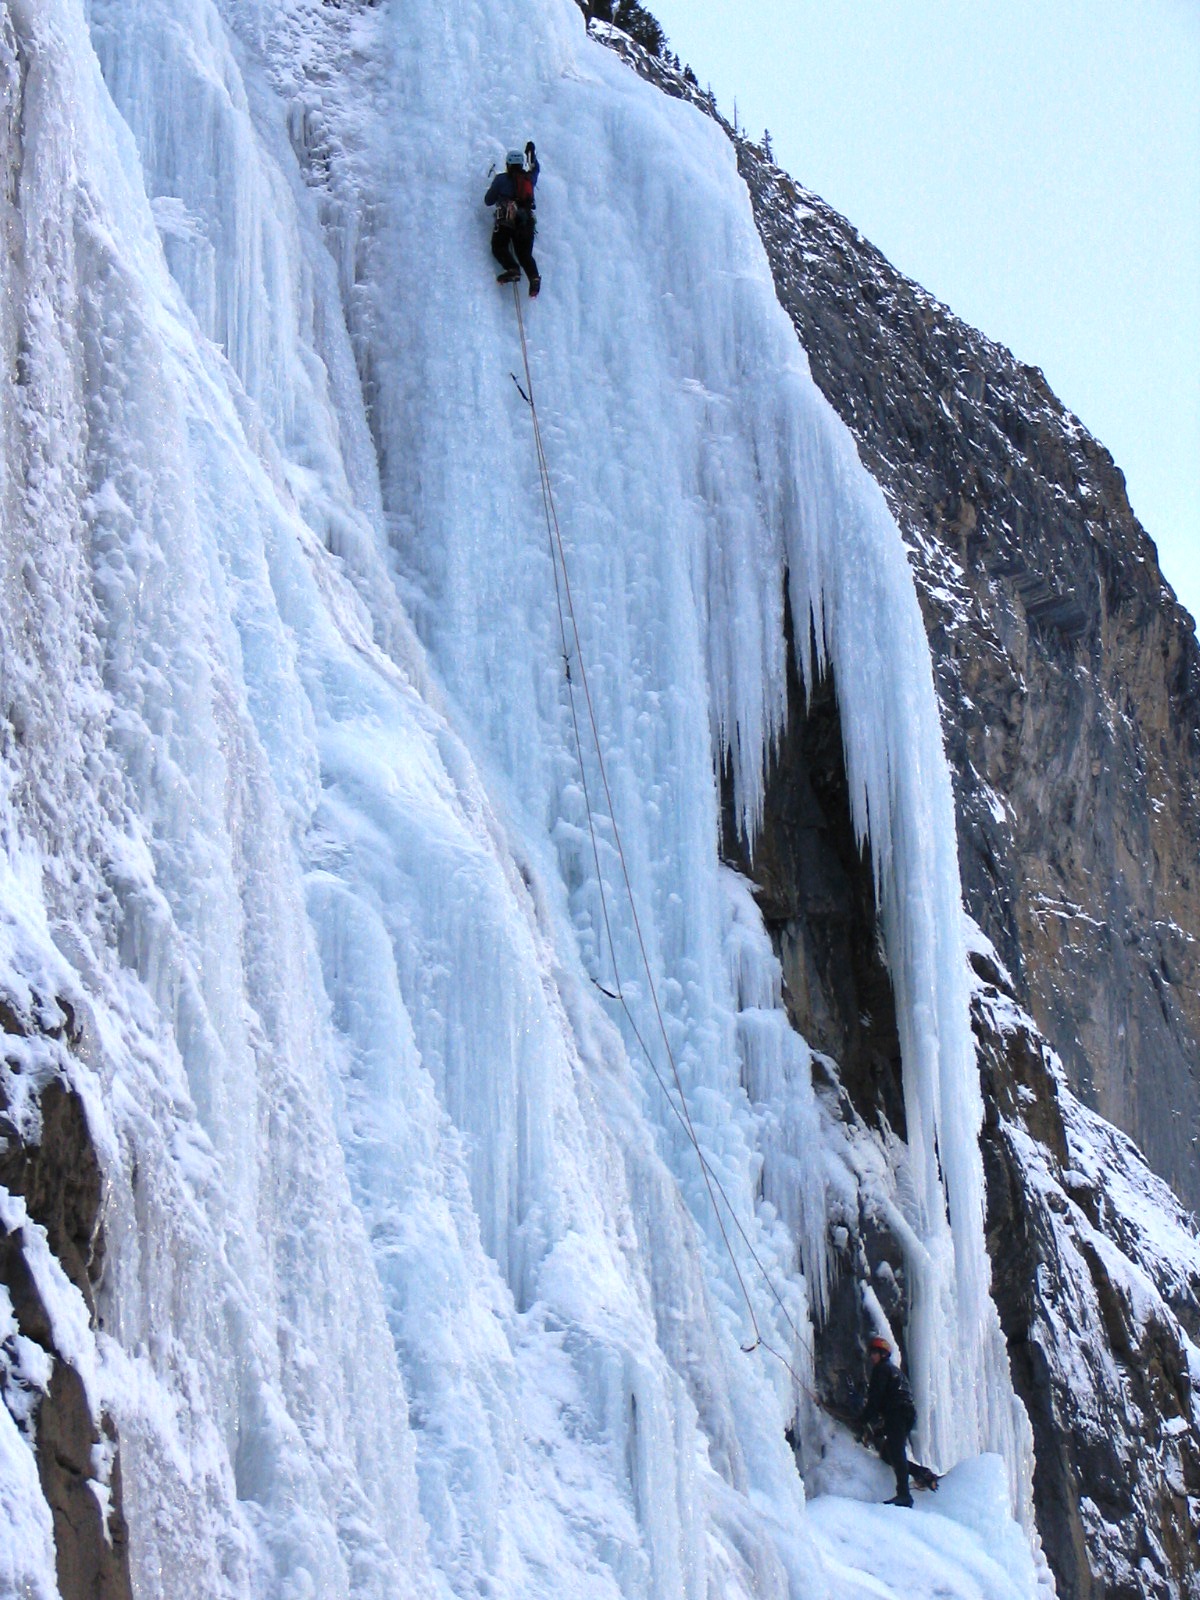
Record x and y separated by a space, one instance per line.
891 1414
511 192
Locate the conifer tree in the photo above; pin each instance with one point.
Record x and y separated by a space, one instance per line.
637 22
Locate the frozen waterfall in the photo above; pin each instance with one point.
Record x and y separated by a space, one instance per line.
413 1283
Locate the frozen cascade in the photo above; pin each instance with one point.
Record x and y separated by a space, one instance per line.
145 837
413 1285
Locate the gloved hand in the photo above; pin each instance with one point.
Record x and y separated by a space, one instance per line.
529 150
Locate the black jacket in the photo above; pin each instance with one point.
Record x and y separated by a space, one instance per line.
889 1400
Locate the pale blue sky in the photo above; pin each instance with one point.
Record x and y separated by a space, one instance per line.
1035 165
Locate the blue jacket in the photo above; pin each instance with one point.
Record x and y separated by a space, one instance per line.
504 186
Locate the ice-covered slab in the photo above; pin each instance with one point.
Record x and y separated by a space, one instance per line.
959 1544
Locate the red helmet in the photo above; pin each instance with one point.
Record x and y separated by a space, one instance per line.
882 1345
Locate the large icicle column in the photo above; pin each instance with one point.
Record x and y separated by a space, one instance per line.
413 1280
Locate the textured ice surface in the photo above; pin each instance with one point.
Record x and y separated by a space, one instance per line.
960 1542
414 1285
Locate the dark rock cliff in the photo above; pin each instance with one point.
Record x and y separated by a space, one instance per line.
1068 674
51 1189
1069 681
1096 1274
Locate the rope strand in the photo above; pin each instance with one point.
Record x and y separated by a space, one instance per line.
712 1181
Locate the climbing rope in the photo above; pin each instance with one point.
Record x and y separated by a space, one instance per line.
712 1181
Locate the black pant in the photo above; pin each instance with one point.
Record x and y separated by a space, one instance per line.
894 1450
519 239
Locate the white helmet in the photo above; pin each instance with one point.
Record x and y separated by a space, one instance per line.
515 158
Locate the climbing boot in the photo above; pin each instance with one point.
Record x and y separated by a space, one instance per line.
534 285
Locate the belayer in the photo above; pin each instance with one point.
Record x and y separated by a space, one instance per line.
511 192
890 1415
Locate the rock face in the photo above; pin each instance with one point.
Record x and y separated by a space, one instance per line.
1069 681
814 889
1068 674
1096 1273
50 1196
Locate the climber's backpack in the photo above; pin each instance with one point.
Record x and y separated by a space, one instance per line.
508 211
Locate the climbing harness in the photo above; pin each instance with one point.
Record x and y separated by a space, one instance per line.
712 1182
